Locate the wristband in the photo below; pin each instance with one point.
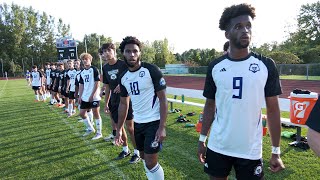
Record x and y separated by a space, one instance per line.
202 138
275 150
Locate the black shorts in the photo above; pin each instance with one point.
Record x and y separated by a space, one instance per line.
36 88
55 89
71 95
89 105
48 87
219 165
63 93
114 112
144 134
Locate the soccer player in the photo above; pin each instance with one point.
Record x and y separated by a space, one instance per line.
57 83
28 77
111 72
144 85
63 88
70 89
43 85
48 79
36 82
314 128
52 77
89 95
236 86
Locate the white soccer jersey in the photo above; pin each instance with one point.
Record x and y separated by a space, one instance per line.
48 73
36 78
141 85
71 75
88 77
239 88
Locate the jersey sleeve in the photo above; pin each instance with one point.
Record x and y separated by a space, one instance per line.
96 74
210 88
68 77
104 75
313 119
123 91
273 86
40 74
159 82
80 80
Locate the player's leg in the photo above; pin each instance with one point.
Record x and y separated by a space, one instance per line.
97 117
70 103
111 136
83 114
218 166
151 149
130 128
36 93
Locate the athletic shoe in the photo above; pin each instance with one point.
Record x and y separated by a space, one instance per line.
122 155
61 105
134 159
88 132
109 138
97 136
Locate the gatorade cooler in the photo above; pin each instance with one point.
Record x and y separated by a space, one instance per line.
264 125
301 106
199 124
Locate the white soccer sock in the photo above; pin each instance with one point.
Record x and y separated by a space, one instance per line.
70 108
125 149
135 151
43 97
156 173
99 125
90 115
145 166
37 97
88 124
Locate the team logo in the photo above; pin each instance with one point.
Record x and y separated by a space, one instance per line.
254 67
154 144
115 71
90 70
113 76
142 73
299 108
162 82
94 103
258 170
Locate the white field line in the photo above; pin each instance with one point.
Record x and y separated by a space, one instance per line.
95 150
2 88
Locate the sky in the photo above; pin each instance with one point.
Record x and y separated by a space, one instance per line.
187 24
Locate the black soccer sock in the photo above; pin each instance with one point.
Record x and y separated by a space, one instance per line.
114 132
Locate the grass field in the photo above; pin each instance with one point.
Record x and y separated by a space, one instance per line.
37 141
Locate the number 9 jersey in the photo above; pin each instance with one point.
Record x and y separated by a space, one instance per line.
239 88
141 85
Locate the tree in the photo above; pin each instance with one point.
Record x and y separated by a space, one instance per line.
281 57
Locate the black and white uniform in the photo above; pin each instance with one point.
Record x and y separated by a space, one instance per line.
141 85
57 78
313 119
52 76
88 77
36 80
239 88
111 76
71 76
48 75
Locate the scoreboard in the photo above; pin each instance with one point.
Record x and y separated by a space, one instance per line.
66 48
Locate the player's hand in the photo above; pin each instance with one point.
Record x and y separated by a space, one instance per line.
106 109
117 89
91 99
101 93
79 101
276 163
118 140
202 151
160 135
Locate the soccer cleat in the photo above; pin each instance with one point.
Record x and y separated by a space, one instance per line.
134 159
97 136
122 155
109 138
88 132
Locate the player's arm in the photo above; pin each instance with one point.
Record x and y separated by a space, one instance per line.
68 83
122 114
107 91
161 132
96 76
273 120
80 89
103 88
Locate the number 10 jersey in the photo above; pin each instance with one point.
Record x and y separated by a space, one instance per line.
239 88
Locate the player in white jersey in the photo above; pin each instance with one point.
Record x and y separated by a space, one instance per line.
36 82
236 86
71 87
89 95
48 80
144 85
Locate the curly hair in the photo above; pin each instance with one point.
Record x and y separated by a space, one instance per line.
235 11
129 40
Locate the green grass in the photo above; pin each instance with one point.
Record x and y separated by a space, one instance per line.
37 141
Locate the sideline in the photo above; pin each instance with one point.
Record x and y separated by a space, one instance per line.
2 88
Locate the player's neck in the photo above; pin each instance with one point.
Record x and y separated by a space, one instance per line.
136 67
87 67
112 61
236 53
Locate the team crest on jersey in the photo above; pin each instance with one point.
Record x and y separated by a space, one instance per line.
254 67
142 73
113 76
162 82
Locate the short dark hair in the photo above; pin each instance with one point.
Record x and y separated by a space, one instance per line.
34 66
47 63
108 46
235 11
226 46
130 40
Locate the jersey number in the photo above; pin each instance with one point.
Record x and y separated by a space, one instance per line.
86 78
134 88
237 87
